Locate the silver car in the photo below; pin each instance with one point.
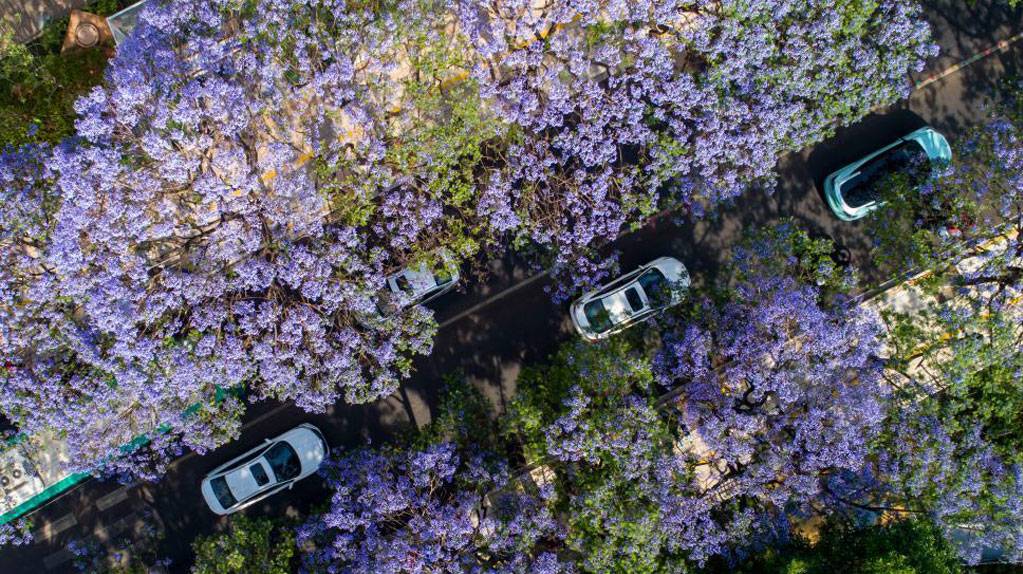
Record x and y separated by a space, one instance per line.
631 298
414 285
276 464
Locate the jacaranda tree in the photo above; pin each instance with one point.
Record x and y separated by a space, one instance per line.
432 510
778 393
955 455
184 248
775 388
251 172
947 469
623 108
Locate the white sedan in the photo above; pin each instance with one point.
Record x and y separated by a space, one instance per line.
265 470
631 298
421 284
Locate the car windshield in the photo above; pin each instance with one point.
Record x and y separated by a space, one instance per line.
223 493
597 315
442 276
635 301
908 157
259 474
284 461
655 285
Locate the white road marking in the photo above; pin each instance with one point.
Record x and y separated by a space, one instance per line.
51 529
115 497
58 558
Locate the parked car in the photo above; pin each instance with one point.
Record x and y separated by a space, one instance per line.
852 192
631 298
276 464
422 283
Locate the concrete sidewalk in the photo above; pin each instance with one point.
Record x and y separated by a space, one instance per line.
28 17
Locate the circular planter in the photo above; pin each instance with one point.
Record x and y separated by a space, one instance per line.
86 35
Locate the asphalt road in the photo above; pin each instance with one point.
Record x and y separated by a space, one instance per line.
490 330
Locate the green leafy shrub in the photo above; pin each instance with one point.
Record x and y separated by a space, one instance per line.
247 546
463 416
39 86
904 547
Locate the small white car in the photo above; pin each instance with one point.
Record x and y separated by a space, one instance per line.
276 464
631 298
422 283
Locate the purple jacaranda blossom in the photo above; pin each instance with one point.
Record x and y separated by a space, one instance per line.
431 510
626 108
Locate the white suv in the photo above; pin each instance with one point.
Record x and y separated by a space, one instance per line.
631 298
276 464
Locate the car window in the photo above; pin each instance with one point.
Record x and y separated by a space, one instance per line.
223 493
597 315
403 284
908 157
284 461
655 285
441 275
259 474
635 301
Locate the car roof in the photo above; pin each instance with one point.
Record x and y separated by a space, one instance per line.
243 484
617 303
421 279
258 450
238 461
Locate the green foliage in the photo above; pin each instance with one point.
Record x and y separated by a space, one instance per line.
612 514
38 92
612 520
605 370
623 544
786 249
905 547
597 33
995 397
463 416
106 7
981 365
974 349
17 64
247 546
905 229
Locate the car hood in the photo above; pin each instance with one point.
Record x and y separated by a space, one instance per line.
935 145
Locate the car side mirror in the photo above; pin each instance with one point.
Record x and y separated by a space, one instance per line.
266 440
290 486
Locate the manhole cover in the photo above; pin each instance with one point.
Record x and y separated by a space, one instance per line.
86 35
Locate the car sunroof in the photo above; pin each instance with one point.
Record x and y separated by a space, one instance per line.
259 474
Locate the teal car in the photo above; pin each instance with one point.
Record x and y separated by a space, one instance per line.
852 191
